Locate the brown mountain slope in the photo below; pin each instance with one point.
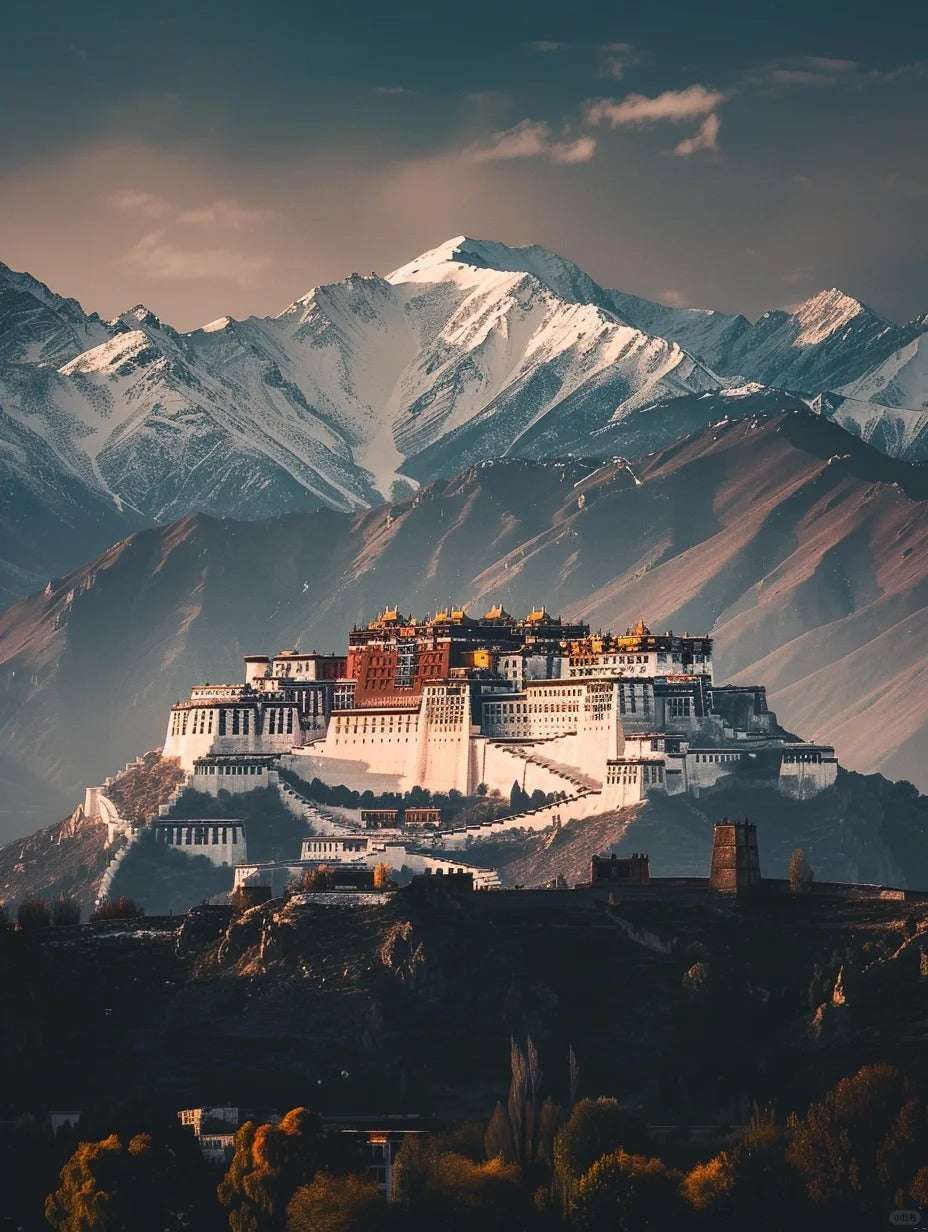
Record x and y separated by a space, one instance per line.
802 549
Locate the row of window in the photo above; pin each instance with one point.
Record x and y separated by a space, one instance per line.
199 836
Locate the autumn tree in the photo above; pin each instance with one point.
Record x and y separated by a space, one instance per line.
749 1185
800 872
350 1203
382 874
445 1189
860 1149
314 880
111 1186
269 1164
627 1193
595 1127
117 909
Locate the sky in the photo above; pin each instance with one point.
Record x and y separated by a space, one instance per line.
222 158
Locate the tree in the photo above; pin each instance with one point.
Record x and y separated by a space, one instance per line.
382 876
516 795
351 1203
800 872
523 1130
595 1127
314 880
66 910
481 789
109 1186
447 1190
862 1145
117 909
627 1193
269 1164
33 912
750 1185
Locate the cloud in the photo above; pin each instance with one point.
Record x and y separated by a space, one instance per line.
672 298
395 91
617 59
145 203
805 71
532 139
706 138
673 105
225 212
157 257
542 47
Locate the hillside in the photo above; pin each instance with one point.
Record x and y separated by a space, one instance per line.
803 550
358 1010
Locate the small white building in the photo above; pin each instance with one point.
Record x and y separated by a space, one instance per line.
221 840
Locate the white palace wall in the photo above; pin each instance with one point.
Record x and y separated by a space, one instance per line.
238 776
222 841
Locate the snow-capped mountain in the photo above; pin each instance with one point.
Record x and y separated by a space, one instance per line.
363 388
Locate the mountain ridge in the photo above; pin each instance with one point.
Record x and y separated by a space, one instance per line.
361 389
797 545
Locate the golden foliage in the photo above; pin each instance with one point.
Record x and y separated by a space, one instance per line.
704 1185
351 1203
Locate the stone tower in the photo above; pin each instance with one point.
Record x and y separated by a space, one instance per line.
735 860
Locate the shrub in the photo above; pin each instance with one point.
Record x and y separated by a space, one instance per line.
117 909
33 913
66 910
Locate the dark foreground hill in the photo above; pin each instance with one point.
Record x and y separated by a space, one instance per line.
805 552
358 1009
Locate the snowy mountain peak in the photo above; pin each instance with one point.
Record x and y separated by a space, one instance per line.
824 314
39 327
140 315
449 261
213 327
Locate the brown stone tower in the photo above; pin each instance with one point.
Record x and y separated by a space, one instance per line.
735 860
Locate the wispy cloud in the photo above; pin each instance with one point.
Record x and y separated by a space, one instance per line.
225 212
532 139
638 109
804 71
156 256
617 59
672 298
705 139
541 47
802 274
395 91
145 203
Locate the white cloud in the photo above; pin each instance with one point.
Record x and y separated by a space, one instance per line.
225 212
673 105
532 139
544 46
145 203
397 91
156 256
706 138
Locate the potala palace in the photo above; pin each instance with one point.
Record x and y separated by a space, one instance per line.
456 702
